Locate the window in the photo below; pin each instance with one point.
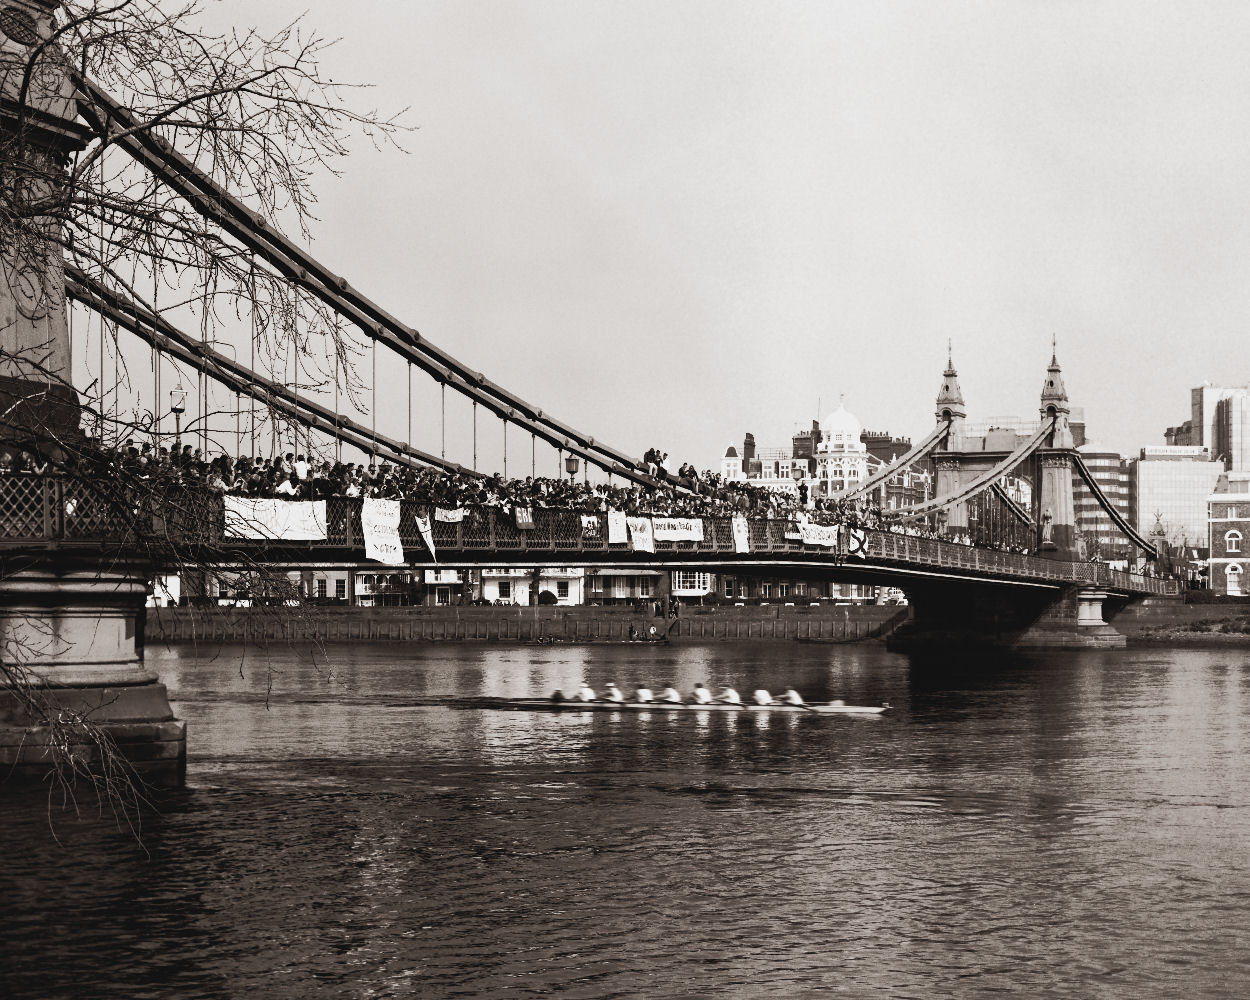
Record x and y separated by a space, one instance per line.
688 580
321 587
340 589
1232 541
223 590
505 590
800 590
730 586
644 586
596 584
783 590
766 590
562 589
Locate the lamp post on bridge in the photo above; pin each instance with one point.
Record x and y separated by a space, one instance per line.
178 406
570 466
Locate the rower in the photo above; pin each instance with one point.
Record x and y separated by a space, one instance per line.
701 695
670 695
729 696
585 693
613 693
792 697
761 697
643 695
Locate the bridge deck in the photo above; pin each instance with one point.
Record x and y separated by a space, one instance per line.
42 512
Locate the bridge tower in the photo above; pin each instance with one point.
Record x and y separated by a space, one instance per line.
950 406
1055 510
69 624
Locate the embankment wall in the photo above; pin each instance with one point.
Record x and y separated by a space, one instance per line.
827 623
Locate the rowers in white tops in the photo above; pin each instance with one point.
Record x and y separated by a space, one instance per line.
613 693
761 697
729 696
701 695
643 695
671 695
585 693
792 697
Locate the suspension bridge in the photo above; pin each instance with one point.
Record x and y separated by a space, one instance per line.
76 555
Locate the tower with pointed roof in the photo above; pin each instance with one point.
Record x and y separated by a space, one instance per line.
950 400
1056 508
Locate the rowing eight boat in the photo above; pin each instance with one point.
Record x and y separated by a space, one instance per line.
814 708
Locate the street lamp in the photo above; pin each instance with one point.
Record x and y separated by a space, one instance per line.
570 466
178 406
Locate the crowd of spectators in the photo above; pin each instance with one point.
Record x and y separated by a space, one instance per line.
292 475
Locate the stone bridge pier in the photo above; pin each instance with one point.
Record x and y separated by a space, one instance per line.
978 614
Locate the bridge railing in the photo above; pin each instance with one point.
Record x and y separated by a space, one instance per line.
52 509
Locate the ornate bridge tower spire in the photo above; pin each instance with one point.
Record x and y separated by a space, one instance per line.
1056 510
950 402
950 406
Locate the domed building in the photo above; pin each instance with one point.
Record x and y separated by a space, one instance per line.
841 456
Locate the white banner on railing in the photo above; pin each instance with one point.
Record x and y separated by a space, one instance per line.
273 519
590 527
856 543
678 529
449 516
618 530
427 535
742 534
820 534
380 521
642 534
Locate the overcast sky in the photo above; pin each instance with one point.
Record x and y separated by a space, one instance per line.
672 222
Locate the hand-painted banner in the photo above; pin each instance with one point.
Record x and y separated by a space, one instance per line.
641 534
427 534
856 543
618 531
742 534
449 516
820 534
678 529
524 518
380 521
282 520
590 527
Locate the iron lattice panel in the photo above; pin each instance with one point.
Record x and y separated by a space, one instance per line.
506 534
475 529
92 513
25 506
566 529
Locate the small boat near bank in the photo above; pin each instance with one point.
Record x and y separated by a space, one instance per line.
813 708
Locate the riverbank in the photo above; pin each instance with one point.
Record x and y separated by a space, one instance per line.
823 623
1171 623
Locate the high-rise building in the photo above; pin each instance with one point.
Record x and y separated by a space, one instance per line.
1111 473
1170 485
1220 421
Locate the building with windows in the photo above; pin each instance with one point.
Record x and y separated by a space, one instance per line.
620 585
1229 535
1170 485
1219 420
1111 472
833 456
506 585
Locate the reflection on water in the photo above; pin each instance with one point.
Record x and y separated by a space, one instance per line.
1065 825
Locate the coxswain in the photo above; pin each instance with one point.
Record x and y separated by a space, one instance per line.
792 697
585 693
613 693
643 695
701 695
761 697
728 696
670 695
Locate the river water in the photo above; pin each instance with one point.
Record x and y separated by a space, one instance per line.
1066 825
